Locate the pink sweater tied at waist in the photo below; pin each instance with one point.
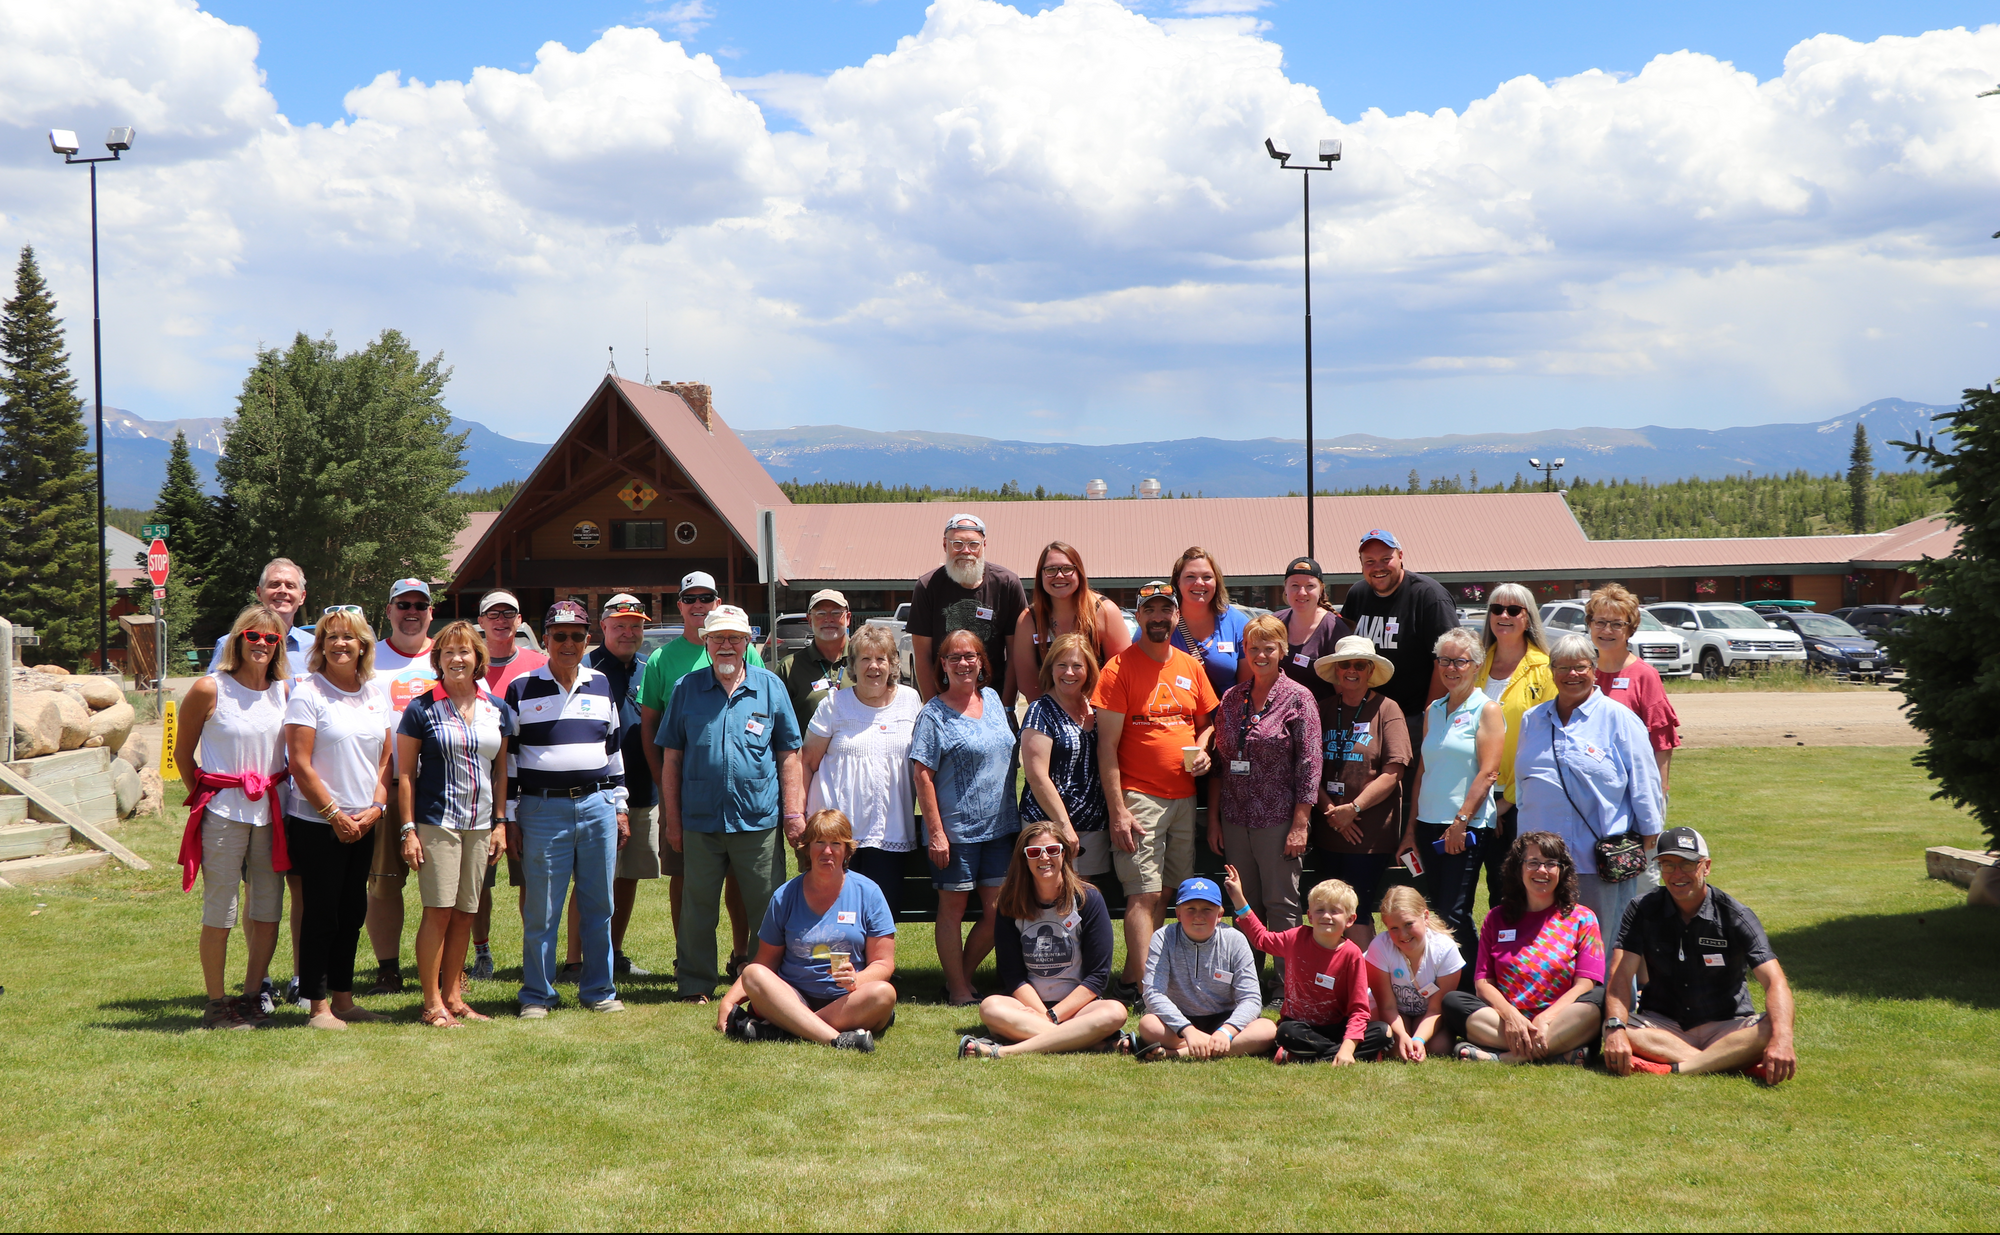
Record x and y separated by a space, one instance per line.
254 786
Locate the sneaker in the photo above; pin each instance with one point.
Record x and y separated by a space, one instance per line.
481 969
606 1005
267 998
533 1012
1647 1065
570 972
222 1014
293 998
622 967
254 1009
1281 1055
387 982
855 1040
741 1025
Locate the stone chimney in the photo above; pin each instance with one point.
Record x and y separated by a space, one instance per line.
698 397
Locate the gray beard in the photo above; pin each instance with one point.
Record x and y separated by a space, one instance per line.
967 577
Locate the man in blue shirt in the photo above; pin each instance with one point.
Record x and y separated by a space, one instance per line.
281 588
729 769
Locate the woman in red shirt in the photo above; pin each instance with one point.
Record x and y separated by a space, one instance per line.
1613 614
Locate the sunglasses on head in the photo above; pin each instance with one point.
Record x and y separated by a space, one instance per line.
569 636
1509 610
331 609
1152 590
407 605
612 611
1032 852
262 636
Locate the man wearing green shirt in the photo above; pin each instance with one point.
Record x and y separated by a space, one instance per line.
668 664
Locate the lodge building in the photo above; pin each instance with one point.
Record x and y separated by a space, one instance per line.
647 483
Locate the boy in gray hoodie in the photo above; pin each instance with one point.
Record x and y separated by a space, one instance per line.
1202 996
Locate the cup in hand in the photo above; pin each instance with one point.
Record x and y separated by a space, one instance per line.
840 967
1187 756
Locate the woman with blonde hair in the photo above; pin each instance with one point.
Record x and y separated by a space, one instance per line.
229 748
1065 603
1515 674
1613 616
337 736
1211 629
1412 965
857 760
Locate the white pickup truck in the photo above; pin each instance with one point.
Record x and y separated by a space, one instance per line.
903 645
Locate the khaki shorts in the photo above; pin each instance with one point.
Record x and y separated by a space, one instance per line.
1700 1037
454 869
1166 844
233 853
640 858
1093 853
388 874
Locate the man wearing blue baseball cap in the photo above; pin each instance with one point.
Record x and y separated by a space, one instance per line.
1201 991
1403 612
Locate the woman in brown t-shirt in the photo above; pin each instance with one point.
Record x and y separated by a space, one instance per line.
1366 747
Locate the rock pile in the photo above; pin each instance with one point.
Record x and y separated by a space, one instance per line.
56 711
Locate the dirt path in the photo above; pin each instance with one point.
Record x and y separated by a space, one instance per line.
1807 718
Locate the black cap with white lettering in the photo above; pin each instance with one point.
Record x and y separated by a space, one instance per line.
1682 843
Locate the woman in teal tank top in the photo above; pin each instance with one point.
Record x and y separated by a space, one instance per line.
1451 818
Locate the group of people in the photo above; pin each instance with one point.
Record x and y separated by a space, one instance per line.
1381 744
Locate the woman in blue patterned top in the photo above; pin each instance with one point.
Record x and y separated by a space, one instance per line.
961 753
1059 754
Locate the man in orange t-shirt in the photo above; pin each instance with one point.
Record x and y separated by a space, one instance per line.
1152 700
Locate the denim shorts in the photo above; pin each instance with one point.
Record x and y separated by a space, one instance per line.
981 863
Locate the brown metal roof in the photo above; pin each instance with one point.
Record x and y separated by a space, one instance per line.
714 458
1914 541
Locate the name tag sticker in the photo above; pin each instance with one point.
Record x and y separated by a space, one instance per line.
1184 683
1592 751
1073 921
1220 975
1621 683
844 918
1428 989
1324 979
1361 726
1225 645
1302 660
1336 787
1505 936
754 728
1712 959
822 684
984 615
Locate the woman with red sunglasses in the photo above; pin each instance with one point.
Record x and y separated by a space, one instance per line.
229 748
1052 947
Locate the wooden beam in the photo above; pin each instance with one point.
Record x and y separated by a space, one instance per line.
89 832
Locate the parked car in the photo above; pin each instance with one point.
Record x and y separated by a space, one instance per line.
794 630
1727 636
1831 644
657 637
1670 654
1874 621
1472 618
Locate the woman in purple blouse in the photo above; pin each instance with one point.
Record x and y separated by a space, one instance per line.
1260 799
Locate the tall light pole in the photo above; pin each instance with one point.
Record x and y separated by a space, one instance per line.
64 143
1548 471
1329 154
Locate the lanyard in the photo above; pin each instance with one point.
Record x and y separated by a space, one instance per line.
1250 720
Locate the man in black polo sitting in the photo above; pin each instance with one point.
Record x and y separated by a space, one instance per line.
1696 944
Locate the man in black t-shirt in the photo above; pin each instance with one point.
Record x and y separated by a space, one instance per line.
1696 945
969 593
1404 613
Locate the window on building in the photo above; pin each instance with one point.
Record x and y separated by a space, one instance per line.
638 534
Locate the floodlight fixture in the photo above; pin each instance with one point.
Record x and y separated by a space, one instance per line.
1329 150
63 141
1270 148
120 139
1535 463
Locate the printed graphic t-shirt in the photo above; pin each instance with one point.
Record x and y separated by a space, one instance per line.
1538 956
858 914
1441 958
1161 704
1405 626
939 606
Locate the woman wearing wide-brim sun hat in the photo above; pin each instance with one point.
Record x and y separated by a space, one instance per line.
1365 748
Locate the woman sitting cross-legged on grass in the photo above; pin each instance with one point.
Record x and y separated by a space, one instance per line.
1540 974
1412 965
1052 947
1203 999
804 982
1324 1017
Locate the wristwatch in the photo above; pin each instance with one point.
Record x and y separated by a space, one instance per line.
409 828
1612 1023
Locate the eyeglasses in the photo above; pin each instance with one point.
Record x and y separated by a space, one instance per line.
407 605
961 658
1540 864
728 639
1509 610
1032 852
332 609
697 598
965 546
1059 572
1575 670
1456 662
1608 623
505 615
262 636
569 636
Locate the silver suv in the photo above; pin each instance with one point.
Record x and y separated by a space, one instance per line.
1726 635
1666 650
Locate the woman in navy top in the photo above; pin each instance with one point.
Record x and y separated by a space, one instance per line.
1059 754
825 953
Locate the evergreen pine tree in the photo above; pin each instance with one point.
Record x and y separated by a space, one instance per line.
1416 485
1860 473
184 508
53 562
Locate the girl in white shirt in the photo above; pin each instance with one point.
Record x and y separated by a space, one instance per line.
1411 965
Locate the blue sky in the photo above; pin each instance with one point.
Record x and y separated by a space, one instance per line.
1044 223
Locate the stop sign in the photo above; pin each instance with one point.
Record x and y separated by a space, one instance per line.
156 562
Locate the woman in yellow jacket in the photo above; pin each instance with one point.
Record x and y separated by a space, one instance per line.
1516 672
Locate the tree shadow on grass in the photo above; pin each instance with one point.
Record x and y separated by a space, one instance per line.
1875 956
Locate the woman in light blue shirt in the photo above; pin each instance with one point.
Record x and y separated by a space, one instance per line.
1211 629
961 757
1451 815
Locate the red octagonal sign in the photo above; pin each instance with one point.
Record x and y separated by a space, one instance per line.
156 562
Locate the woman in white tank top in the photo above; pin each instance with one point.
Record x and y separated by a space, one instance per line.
230 750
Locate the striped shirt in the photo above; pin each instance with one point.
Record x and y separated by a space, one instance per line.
564 739
454 775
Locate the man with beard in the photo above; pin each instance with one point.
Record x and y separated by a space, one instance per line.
1403 613
970 593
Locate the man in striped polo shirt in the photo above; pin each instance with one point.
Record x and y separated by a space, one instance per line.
568 818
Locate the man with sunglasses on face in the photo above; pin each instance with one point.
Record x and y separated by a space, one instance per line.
281 587
669 663
506 659
404 660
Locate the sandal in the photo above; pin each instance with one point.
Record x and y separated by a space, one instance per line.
970 1047
466 1012
1469 1053
1148 1052
438 1018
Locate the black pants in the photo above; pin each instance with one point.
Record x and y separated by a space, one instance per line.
1454 883
886 869
1323 1041
1506 826
1460 1005
333 895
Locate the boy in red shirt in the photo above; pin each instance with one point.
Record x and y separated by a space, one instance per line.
1324 1018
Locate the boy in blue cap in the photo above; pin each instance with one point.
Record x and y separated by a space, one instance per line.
1202 997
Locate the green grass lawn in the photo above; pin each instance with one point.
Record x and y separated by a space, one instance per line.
117 1117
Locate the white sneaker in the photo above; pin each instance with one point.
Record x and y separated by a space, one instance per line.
533 1012
606 1005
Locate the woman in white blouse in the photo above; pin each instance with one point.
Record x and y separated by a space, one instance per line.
857 755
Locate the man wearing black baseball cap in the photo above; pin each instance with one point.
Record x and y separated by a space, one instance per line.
1403 613
1696 943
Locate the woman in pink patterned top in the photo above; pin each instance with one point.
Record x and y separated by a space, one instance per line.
1539 982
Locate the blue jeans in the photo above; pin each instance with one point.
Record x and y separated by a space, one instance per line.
561 837
1454 881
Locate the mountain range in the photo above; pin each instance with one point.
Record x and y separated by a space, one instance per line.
136 453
